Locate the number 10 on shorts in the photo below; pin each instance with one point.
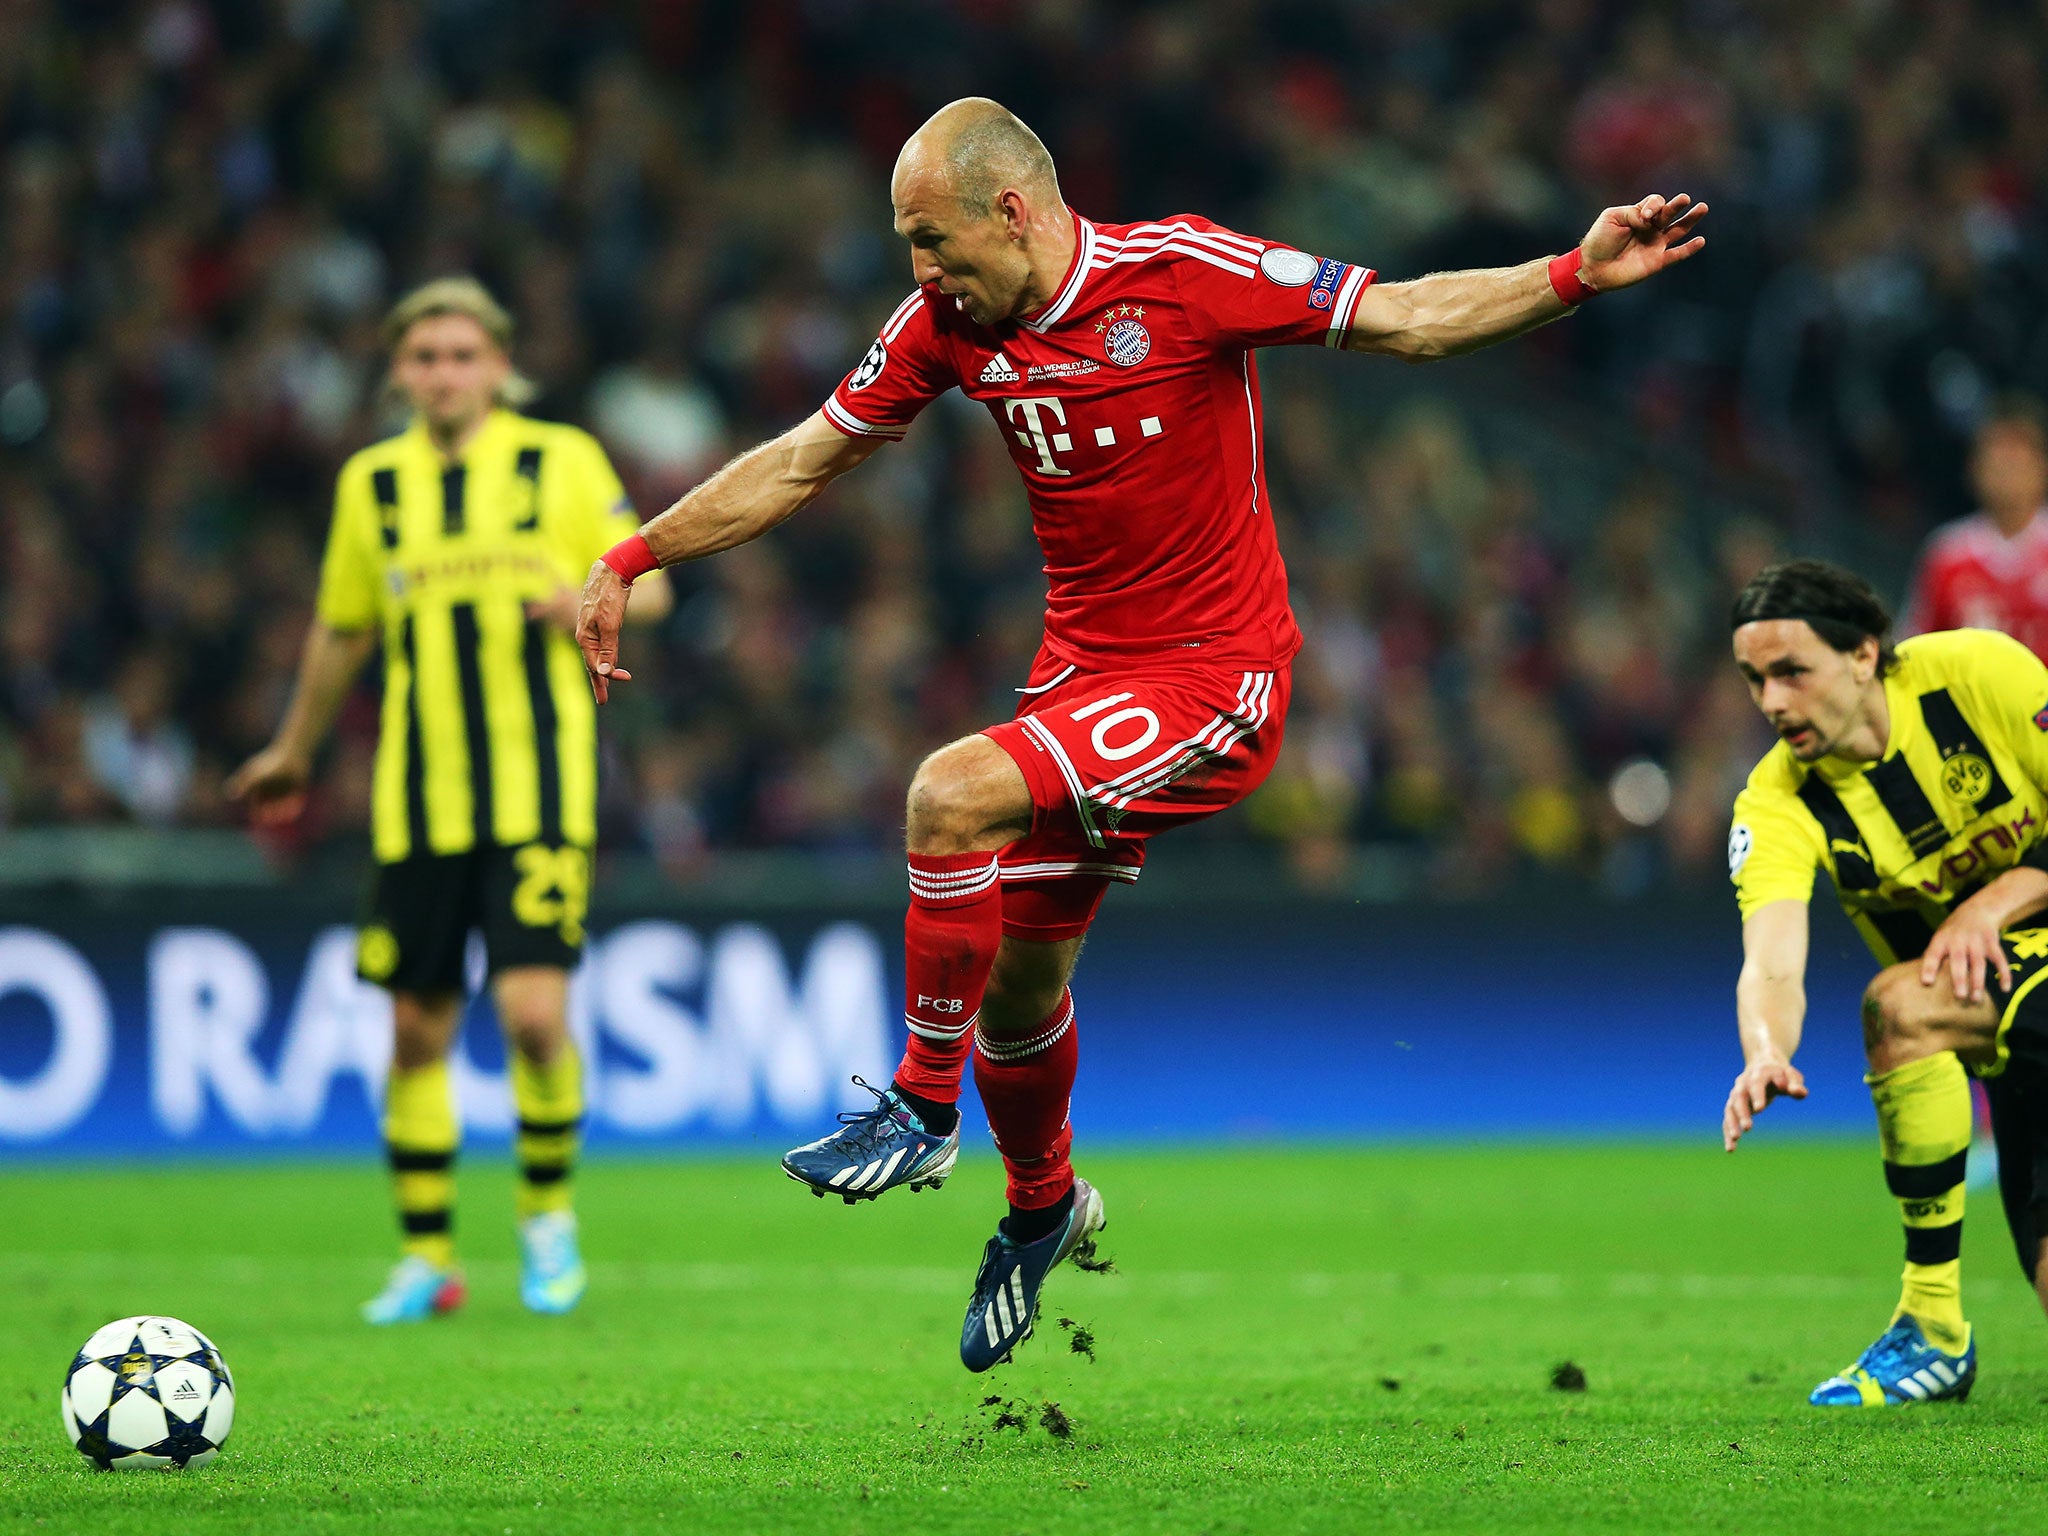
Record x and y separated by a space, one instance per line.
1117 724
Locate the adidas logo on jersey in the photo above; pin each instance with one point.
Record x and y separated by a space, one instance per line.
999 371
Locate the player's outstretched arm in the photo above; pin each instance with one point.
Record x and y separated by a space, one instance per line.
1448 313
1770 1011
742 501
274 780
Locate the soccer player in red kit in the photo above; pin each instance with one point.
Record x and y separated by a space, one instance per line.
1990 570
1116 362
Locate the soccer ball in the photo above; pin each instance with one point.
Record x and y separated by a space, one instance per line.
148 1392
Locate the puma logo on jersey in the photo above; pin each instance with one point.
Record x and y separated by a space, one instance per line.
999 371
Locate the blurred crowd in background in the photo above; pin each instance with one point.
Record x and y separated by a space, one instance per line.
1509 668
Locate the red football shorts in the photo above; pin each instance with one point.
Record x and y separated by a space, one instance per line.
1113 758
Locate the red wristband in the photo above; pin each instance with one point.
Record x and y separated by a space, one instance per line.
631 558
1565 280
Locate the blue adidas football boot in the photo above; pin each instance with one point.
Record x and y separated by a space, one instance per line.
1901 1367
875 1150
1004 1307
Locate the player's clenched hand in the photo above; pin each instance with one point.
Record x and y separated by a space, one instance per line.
1758 1084
274 783
1626 245
598 619
1966 945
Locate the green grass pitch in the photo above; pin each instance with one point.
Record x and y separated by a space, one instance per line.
1293 1341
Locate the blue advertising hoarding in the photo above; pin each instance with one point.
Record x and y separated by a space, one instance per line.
217 1023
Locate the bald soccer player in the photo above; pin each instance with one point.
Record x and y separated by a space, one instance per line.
1115 360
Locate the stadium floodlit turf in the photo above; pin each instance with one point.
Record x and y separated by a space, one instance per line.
1292 1341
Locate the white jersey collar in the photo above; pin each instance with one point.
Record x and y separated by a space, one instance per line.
1070 289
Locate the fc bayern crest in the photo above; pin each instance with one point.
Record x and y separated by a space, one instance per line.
1127 343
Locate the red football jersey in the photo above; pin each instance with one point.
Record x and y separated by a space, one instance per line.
1972 576
1131 406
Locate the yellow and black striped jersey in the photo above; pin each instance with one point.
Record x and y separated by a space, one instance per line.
1959 797
488 731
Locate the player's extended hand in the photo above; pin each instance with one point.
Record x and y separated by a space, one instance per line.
598 619
274 783
1626 245
1755 1087
1967 944
562 609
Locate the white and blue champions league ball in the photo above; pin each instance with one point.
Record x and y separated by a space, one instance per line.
148 1392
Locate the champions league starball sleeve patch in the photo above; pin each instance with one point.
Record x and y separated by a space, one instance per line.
870 368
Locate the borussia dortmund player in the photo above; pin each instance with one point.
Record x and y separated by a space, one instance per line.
455 543
1918 779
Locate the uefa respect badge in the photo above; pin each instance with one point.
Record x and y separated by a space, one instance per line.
1322 293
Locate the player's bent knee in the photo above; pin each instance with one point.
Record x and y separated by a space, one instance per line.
1889 1010
1878 1014
965 797
1905 1019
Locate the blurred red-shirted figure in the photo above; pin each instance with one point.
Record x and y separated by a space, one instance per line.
1990 570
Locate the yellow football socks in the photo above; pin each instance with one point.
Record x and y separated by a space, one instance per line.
420 1137
1924 1122
549 1101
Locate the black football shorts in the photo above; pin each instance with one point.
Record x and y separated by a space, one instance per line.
2017 1084
529 902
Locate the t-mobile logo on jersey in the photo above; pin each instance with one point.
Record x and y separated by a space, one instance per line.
1035 435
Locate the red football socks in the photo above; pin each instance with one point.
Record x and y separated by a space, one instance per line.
950 936
1025 1086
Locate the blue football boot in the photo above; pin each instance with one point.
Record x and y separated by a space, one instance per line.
1901 1367
1004 1306
875 1150
416 1289
551 1274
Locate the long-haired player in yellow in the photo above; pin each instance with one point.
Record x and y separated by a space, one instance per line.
1917 777
458 544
